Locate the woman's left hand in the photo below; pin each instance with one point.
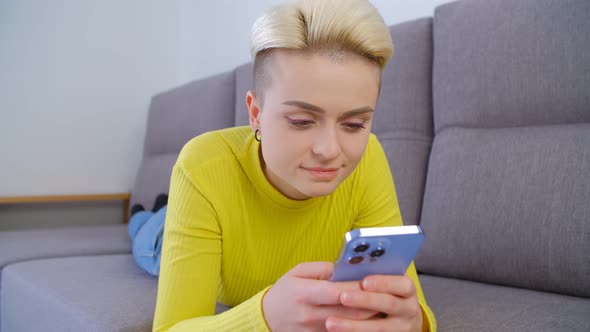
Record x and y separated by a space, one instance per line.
393 296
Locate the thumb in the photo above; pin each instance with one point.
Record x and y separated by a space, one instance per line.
313 270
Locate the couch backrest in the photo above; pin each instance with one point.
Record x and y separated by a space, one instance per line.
174 118
403 119
507 196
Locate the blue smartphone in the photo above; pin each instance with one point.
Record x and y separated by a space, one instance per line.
379 250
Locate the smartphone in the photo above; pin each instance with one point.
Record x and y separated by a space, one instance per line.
379 250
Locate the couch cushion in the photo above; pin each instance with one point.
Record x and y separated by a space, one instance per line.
184 112
507 63
24 245
510 206
94 293
506 198
244 82
403 118
469 306
153 178
98 293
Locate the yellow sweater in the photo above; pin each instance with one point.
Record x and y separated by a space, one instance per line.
230 234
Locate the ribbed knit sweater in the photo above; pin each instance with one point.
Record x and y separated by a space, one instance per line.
229 234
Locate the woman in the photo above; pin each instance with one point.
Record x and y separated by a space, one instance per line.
256 214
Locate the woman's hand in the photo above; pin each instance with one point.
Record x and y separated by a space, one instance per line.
303 299
394 297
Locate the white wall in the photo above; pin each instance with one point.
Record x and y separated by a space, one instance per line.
76 78
75 82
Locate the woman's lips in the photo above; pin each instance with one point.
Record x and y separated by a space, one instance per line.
322 174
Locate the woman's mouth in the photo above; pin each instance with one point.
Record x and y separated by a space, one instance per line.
322 174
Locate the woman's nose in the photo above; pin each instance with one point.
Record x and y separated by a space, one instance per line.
327 145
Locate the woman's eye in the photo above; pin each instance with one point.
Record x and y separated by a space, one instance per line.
300 123
351 126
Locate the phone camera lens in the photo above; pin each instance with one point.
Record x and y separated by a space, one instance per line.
378 252
355 259
361 247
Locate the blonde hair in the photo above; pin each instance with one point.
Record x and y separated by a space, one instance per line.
344 26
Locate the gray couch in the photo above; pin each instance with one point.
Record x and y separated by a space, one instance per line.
485 118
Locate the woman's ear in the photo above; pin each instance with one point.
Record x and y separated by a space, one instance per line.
253 109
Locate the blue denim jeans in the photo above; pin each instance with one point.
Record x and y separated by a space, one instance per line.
146 230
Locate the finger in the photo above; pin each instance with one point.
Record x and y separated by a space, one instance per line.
401 286
339 311
323 292
314 317
313 270
345 325
381 302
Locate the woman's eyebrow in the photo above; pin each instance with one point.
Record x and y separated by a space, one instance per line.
317 109
358 111
304 105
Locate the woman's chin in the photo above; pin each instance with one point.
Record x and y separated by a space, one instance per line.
318 189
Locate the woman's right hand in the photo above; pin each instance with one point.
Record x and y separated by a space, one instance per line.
304 298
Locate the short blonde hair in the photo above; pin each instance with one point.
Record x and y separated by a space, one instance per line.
351 26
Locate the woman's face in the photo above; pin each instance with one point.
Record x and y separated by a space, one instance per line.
315 120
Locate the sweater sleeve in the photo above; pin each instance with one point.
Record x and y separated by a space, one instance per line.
190 268
379 207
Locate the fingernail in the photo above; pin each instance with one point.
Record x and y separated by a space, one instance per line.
331 323
344 297
367 283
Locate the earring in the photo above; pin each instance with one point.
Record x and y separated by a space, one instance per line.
257 135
